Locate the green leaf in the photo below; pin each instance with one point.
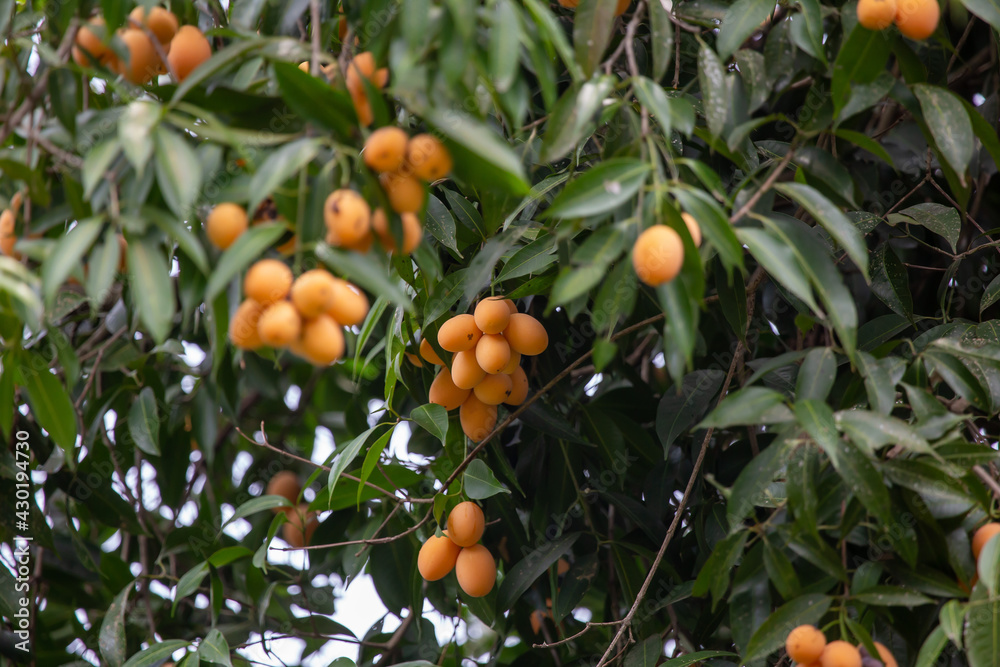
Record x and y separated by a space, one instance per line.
67 255
144 422
371 459
988 565
652 96
189 583
875 430
861 59
152 286
713 223
522 575
178 231
779 259
314 100
96 164
573 283
753 481
599 190
111 640
255 505
445 295
220 59
750 405
958 377
865 142
551 28
952 617
280 166
156 654
246 249
982 630
646 653
715 573
931 649
535 257
592 27
942 220
949 124
812 15
697 656
135 128
345 455
817 374
434 419
890 282
362 271
480 482
987 10
679 410
505 46
215 649
178 171
49 402
662 37
228 555
714 92
892 596
573 118
441 224
743 18
990 295
771 635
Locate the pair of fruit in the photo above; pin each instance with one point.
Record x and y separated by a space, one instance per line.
404 164
305 314
351 224
302 523
619 8
916 19
458 550
485 369
658 253
807 646
363 68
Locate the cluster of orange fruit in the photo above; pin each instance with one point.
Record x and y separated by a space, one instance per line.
305 315
658 253
917 19
807 646
458 549
185 46
486 366
302 523
619 8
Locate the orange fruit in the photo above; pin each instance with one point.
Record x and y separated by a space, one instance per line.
7 236
188 49
839 654
437 557
363 109
458 334
876 14
267 281
301 525
347 217
280 324
513 364
444 392
465 370
511 306
243 327
694 229
476 571
286 485
88 41
917 19
428 353
658 255
492 315
885 655
322 341
982 536
519 387
493 353
406 194
143 61
385 149
305 66
413 231
477 418
427 158
312 292
160 22
350 305
621 7
414 359
225 224
494 389
526 334
363 67
466 524
805 644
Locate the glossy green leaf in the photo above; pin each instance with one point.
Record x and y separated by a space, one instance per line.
480 482
144 422
743 18
750 405
572 119
949 124
599 190
156 654
67 255
524 573
592 27
433 418
111 639
281 165
771 635
178 171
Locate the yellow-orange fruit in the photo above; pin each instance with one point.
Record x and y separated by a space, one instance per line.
312 292
513 364
492 315
805 644
350 305
982 536
526 335
493 353
280 324
536 619
225 224
406 194
286 485
621 7
188 49
301 525
840 654
465 370
459 333
519 387
427 158
347 217
885 655
15 202
658 255
243 326
160 22
363 67
414 359
305 66
494 389
385 149
437 557
476 571
413 231
143 61
363 245
363 108
466 524
917 19
694 229
267 281
444 392
322 340
428 353
7 236
511 306
477 418
562 567
88 41
876 14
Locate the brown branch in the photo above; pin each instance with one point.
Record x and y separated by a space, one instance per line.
765 186
586 627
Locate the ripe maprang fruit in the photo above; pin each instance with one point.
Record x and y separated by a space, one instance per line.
476 571
805 644
225 224
459 333
466 524
437 557
444 392
188 49
280 324
267 281
658 255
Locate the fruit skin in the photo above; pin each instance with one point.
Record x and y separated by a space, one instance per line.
428 353
89 41
160 22
658 255
526 334
444 392
465 370
188 49
427 158
876 14
312 292
982 536
143 61
466 524
406 194
280 324
513 364
363 67
243 328
805 644
225 224
840 654
884 655
492 315
519 387
694 229
477 418
322 341
350 305
476 571
347 217
494 389
621 7
385 149
267 281
917 19
493 353
301 525
511 306
286 485
7 236
459 333
413 231
437 557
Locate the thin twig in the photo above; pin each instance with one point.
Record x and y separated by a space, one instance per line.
771 178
